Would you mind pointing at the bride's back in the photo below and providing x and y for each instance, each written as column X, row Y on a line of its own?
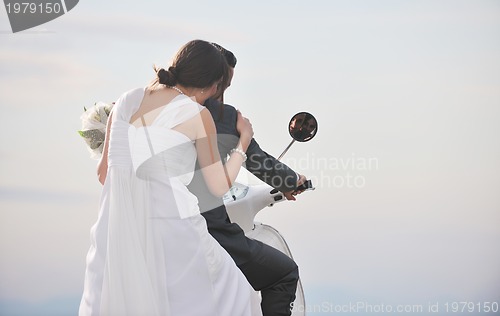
column 154, row 143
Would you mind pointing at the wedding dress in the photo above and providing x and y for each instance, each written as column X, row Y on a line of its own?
column 151, row 253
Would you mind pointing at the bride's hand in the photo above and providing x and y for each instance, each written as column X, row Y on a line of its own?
column 244, row 127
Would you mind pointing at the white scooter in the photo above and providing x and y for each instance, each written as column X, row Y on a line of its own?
column 244, row 202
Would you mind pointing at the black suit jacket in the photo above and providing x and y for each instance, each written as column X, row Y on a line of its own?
column 259, row 163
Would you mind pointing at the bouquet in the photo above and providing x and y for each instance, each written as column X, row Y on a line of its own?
column 94, row 127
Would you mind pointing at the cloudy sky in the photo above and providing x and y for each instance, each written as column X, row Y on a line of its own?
column 406, row 161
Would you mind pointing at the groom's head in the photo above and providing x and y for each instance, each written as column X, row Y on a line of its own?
column 228, row 77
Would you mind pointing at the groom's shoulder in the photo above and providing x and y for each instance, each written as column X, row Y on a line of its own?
column 221, row 112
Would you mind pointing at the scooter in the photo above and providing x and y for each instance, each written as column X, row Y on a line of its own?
column 243, row 202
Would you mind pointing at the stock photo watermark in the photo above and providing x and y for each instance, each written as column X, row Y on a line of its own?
column 462, row 307
column 26, row 14
column 349, row 172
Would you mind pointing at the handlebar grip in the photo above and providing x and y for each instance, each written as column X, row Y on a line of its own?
column 305, row 186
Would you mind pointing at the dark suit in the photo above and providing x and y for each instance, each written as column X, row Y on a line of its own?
column 268, row 270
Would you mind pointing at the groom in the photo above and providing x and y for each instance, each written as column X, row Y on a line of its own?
column 267, row 269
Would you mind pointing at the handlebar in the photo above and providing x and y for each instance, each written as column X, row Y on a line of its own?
column 305, row 186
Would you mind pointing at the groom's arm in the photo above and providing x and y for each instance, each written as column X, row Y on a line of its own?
column 269, row 169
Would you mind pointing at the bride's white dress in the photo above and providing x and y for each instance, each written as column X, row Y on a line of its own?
column 151, row 253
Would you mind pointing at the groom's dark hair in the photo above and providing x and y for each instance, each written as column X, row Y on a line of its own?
column 230, row 58
column 231, row 62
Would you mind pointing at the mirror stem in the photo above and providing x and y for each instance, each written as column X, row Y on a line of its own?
column 286, row 149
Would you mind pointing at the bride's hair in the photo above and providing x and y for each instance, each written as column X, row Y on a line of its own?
column 198, row 64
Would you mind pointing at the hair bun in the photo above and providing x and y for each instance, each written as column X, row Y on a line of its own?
column 173, row 71
column 167, row 78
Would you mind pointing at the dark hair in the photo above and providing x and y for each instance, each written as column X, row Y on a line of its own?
column 198, row 64
column 230, row 58
column 231, row 61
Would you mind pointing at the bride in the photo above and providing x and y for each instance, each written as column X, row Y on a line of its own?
column 151, row 253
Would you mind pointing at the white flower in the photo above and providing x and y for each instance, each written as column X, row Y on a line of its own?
column 93, row 129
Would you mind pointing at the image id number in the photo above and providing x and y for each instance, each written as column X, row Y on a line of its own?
column 471, row 307
column 33, row 8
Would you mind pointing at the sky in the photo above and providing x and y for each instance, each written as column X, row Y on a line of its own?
column 406, row 161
